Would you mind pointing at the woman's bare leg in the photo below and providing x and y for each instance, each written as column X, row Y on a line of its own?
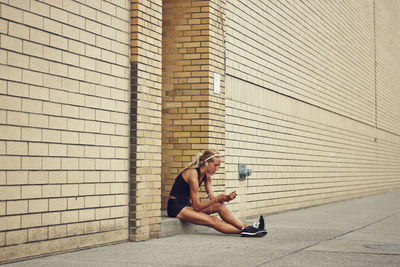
column 225, row 214
column 190, row 215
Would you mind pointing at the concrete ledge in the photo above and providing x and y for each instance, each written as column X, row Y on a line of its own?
column 174, row 226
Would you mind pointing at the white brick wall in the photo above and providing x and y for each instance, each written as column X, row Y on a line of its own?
column 301, row 96
column 64, row 92
column 320, row 53
column 388, row 65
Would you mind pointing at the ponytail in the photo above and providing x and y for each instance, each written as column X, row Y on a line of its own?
column 196, row 162
column 202, row 158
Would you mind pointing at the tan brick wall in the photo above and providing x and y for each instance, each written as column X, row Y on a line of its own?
column 388, row 66
column 302, row 155
column 64, row 133
column 193, row 115
column 145, row 168
column 319, row 53
column 303, row 101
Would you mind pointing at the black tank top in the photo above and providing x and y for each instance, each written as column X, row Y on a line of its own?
column 181, row 189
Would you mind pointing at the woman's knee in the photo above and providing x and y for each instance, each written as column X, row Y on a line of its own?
column 216, row 206
column 213, row 221
column 220, row 207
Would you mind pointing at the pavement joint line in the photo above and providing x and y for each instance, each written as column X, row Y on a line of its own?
column 365, row 226
column 291, row 253
column 332, row 238
column 356, row 252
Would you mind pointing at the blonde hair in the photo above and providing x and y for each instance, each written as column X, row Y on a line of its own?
column 202, row 157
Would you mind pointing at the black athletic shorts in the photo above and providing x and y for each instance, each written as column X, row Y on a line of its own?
column 175, row 206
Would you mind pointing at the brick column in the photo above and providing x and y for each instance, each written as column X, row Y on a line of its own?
column 193, row 115
column 145, row 146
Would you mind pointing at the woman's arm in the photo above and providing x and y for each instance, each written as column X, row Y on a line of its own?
column 194, row 194
column 210, row 190
column 209, row 187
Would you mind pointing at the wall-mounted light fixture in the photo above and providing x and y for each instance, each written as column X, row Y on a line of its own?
column 243, row 171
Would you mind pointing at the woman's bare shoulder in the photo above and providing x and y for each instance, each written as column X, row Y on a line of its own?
column 189, row 171
column 189, row 174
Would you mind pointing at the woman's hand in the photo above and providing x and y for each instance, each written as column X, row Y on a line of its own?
column 222, row 198
column 232, row 195
column 226, row 197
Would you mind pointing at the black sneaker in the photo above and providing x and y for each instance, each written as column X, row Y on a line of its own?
column 255, row 230
column 261, row 226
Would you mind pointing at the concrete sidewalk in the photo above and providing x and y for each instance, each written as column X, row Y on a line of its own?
column 357, row 232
